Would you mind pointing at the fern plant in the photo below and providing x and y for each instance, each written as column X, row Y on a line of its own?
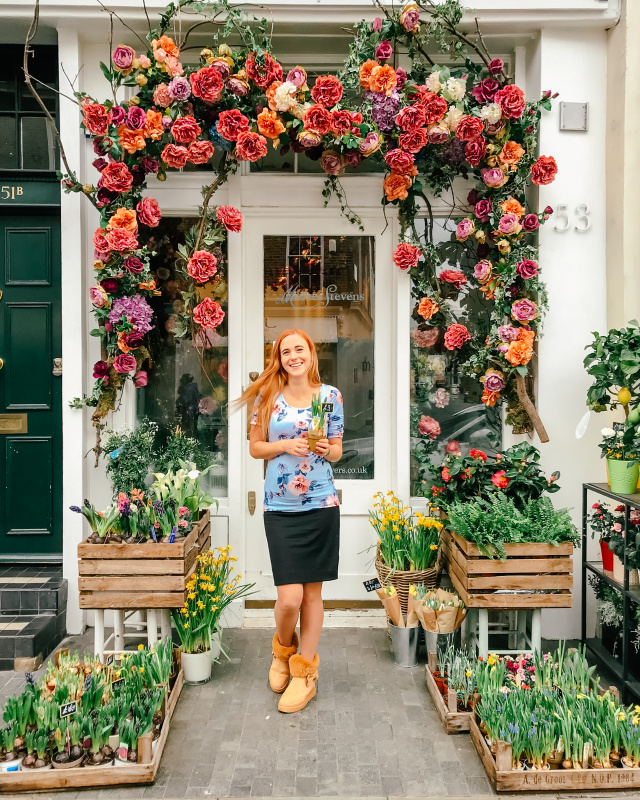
column 496, row 520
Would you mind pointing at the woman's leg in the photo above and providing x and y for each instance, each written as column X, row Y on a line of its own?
column 287, row 610
column 311, row 619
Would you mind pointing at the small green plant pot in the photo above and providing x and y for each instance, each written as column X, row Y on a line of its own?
column 623, row 475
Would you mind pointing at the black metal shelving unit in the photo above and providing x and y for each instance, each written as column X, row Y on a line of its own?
column 628, row 684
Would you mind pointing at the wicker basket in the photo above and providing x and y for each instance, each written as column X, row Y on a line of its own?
column 618, row 572
column 401, row 579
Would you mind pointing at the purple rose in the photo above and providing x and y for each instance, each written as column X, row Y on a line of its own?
column 493, row 380
column 98, row 148
column 377, row 25
column 483, row 209
column 100, row 369
column 104, row 197
column 507, row 333
column 354, row 158
column 527, row 269
column 134, row 339
column 136, row 118
column 530, row 222
column 496, row 65
column 179, row 89
column 133, row 265
column 237, row 86
column 401, row 78
column 297, row 76
column 124, row 363
column 118, row 114
column 453, row 152
column 100, row 163
column 150, row 164
column 223, row 68
column 384, row 51
column 524, row 310
column 486, row 90
column 110, row 285
column 410, row 19
column 138, row 174
column 482, row 271
column 464, row 229
column 123, row 56
column 438, row 134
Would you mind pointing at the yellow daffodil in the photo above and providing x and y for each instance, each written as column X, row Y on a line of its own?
column 140, row 647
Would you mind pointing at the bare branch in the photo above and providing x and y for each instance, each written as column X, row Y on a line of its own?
column 113, row 14
column 146, row 13
column 71, row 82
column 531, row 410
column 57, row 91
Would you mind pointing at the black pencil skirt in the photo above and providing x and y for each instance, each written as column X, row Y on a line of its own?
column 304, row 546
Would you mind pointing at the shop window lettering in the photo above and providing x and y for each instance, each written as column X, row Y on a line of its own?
column 581, row 221
column 302, row 298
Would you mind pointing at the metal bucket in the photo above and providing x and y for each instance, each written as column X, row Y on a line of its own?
column 405, row 645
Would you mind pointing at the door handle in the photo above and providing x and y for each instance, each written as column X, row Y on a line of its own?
column 57, row 367
column 251, row 502
column 1, row 363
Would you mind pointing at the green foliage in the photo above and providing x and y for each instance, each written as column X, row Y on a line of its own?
column 129, row 456
column 181, row 448
column 495, row 521
column 613, row 361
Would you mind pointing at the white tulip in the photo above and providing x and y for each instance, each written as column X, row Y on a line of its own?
column 194, row 474
column 607, row 432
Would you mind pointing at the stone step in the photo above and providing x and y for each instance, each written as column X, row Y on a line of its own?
column 27, row 640
column 29, row 590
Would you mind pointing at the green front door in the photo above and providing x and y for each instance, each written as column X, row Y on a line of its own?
column 30, row 391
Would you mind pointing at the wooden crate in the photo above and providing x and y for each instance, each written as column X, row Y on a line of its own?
column 454, row 721
column 505, row 779
column 476, row 577
column 125, row 576
column 56, row 779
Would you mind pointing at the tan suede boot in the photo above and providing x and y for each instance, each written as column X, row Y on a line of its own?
column 302, row 687
column 279, row 672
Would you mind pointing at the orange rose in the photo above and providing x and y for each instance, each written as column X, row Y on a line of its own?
column 519, row 352
column 511, row 205
column 270, row 124
column 122, row 342
column 131, row 141
column 123, row 218
column 365, row 73
column 511, row 153
column 383, row 79
column 527, row 336
column 148, row 285
column 270, row 92
column 427, row 307
column 153, row 128
column 395, row 186
column 168, row 45
column 490, row 398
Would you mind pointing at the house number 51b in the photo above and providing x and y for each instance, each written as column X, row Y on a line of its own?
column 581, row 218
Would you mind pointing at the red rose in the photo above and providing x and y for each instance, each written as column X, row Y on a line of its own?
column 202, row 266
column 455, row 336
column 469, row 128
column 121, row 240
column 263, row 74
column 500, row 480
column 231, row 124
column 185, row 130
column 133, row 265
column 327, row 91
column 200, row 152
column 116, row 177
column 175, row 155
column 406, row 256
column 207, row 84
column 399, row 161
column 251, row 146
column 477, row 455
column 543, row 171
column 124, row 363
column 100, row 369
column 230, row 218
column 446, row 477
column 511, row 101
column 96, row 118
column 149, row 212
column 208, row 313
column 317, row 120
column 435, row 107
column 411, row 118
column 474, row 150
column 414, row 141
column 454, row 277
column 340, row 121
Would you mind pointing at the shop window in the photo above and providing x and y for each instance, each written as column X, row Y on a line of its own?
column 187, row 383
column 325, row 286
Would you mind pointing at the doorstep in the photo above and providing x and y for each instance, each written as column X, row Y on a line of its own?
column 333, row 618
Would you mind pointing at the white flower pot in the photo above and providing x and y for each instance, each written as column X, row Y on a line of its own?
column 197, row 667
column 10, row 766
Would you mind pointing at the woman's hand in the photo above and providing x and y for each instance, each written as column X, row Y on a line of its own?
column 322, row 447
column 296, row 447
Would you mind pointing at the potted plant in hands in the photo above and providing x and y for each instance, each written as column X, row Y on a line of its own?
column 620, row 445
column 317, row 428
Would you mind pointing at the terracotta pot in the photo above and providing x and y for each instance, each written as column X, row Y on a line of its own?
column 441, row 682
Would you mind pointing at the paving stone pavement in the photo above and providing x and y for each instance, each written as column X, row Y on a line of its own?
column 371, row 732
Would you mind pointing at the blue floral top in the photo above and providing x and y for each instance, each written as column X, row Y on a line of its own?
column 293, row 483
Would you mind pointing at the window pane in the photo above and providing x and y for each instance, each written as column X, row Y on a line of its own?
column 43, row 66
column 325, row 286
column 187, row 383
column 7, row 94
column 38, row 144
column 8, row 144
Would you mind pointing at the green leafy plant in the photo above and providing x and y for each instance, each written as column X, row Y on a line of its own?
column 613, row 361
column 129, row 456
column 180, row 448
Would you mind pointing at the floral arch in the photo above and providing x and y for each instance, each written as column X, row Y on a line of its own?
column 424, row 126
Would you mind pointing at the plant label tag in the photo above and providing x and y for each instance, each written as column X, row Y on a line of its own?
column 117, row 684
column 123, row 751
column 618, row 426
column 67, row 709
column 110, row 660
column 372, row 585
column 328, row 408
column 87, row 683
column 114, row 454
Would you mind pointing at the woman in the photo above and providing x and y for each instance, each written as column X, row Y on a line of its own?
column 302, row 514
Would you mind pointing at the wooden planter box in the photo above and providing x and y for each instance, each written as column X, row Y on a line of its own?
column 454, row 721
column 505, row 779
column 528, row 567
column 125, row 576
column 56, row 779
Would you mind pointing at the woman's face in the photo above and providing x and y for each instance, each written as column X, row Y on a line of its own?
column 295, row 355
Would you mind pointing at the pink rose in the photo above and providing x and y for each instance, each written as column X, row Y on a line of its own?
column 453, row 446
column 208, row 313
column 474, row 150
column 377, row 26
column 410, row 17
column 486, row 90
column 617, row 527
column 370, row 144
column 124, row 363
column 530, row 222
column 122, row 57
column 527, row 269
column 149, row 212
column 140, row 379
column 425, row 338
column 428, row 426
column 496, row 65
column 507, row 333
column 511, row 100
column 482, row 210
column 482, row 271
column 299, row 485
column 437, row 134
column 98, row 297
column 509, row 224
column 455, row 336
column 441, row 398
column 384, row 51
column 297, row 76
column 332, row 162
column 493, row 380
column 524, row 310
column 464, row 229
column 494, row 177
column 118, row 114
column 136, row 118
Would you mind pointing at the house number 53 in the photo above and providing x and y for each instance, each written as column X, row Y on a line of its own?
column 581, row 218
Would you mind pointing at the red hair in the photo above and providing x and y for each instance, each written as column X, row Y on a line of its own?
column 269, row 386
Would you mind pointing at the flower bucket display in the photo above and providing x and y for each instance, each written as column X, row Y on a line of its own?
column 623, row 475
column 405, row 645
